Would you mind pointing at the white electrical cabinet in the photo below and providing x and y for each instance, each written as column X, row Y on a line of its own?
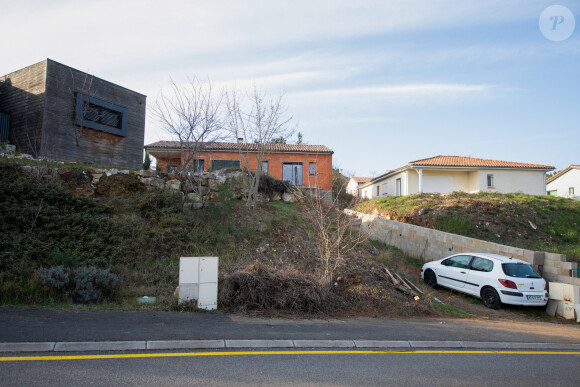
column 198, row 280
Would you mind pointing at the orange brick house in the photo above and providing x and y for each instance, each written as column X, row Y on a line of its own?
column 308, row 166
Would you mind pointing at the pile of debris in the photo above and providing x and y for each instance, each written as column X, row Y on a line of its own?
column 260, row 287
column 402, row 284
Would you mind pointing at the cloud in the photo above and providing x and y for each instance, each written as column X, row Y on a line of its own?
column 113, row 33
column 442, row 91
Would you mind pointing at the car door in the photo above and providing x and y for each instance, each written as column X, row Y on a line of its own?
column 453, row 271
column 478, row 275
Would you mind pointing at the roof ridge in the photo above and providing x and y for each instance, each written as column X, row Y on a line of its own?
column 468, row 161
column 220, row 145
column 563, row 171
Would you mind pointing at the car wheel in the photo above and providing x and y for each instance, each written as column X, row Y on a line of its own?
column 490, row 298
column 430, row 278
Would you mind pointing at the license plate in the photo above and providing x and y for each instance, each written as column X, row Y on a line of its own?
column 534, row 298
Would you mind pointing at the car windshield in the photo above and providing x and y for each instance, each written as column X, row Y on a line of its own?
column 519, row 270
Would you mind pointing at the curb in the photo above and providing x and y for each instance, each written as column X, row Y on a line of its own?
column 239, row 344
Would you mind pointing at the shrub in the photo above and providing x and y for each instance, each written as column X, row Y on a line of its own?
column 270, row 186
column 58, row 277
column 147, row 162
column 86, row 284
column 92, row 284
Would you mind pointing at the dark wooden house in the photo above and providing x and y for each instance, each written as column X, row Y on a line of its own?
column 65, row 114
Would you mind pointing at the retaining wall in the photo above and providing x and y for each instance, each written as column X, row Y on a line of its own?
column 429, row 245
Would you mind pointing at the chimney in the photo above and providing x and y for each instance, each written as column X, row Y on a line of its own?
column 240, row 140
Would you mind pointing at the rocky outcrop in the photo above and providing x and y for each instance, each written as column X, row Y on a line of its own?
column 226, row 183
column 118, row 184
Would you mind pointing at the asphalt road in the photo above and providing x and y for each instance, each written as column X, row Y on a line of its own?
column 403, row 369
column 39, row 325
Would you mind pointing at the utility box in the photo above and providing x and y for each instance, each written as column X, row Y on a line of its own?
column 198, row 280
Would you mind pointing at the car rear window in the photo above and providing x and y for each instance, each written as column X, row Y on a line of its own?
column 519, row 270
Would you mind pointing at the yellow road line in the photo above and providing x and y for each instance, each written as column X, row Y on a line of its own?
column 246, row 353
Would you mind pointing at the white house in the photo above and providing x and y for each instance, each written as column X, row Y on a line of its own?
column 444, row 174
column 353, row 185
column 565, row 183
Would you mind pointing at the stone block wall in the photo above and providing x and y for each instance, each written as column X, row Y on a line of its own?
column 429, row 245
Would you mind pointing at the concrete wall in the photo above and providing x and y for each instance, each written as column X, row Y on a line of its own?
column 429, row 245
column 563, row 183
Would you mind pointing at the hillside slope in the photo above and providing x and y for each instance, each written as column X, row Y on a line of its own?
column 269, row 257
column 526, row 221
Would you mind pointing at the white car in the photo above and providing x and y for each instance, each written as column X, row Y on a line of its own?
column 493, row 278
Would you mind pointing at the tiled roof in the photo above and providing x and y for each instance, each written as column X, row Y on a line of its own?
column 234, row 146
column 362, row 180
column 563, row 171
column 462, row 161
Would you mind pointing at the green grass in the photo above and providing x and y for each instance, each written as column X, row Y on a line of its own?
column 455, row 224
column 451, row 310
column 139, row 237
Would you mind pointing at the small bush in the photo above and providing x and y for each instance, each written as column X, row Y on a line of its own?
column 58, row 277
column 92, row 284
column 85, row 284
column 270, row 186
column 147, row 161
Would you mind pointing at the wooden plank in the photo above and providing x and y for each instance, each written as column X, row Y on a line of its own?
column 413, row 286
column 393, row 279
column 403, row 282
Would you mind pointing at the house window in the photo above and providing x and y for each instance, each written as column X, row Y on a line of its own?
column 219, row 164
column 384, row 189
column 171, row 168
column 265, row 167
column 378, row 192
column 571, row 191
column 490, row 182
column 94, row 113
column 292, row 173
column 312, row 169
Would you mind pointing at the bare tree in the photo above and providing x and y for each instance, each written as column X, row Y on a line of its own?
column 260, row 121
column 337, row 233
column 191, row 115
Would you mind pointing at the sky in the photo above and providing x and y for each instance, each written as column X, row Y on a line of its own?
column 381, row 83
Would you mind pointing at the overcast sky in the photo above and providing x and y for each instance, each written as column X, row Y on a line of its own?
column 381, row 83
